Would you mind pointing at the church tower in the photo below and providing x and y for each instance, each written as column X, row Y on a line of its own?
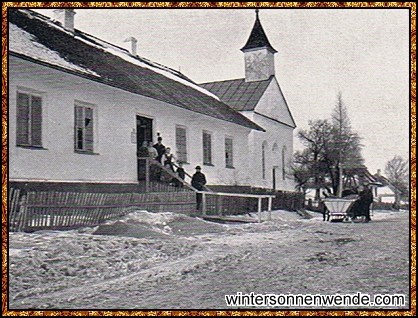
column 258, row 54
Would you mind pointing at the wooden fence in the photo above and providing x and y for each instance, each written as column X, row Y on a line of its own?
column 38, row 210
column 32, row 211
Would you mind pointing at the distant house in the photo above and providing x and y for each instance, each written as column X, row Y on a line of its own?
column 259, row 97
column 387, row 193
column 80, row 109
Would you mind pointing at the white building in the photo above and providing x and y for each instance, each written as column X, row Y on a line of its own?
column 258, row 97
column 387, row 192
column 80, row 108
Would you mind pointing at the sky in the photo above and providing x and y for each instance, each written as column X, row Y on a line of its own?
column 362, row 53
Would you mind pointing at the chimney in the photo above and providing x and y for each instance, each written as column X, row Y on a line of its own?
column 378, row 172
column 133, row 44
column 66, row 18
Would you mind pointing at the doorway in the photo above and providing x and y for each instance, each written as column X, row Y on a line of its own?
column 143, row 133
column 274, row 177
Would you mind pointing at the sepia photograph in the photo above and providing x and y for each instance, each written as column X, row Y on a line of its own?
column 203, row 158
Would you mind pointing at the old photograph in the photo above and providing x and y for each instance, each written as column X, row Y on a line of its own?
column 253, row 158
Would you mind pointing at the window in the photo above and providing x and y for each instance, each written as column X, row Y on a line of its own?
column 229, row 154
column 29, row 120
column 263, row 159
column 83, row 135
column 275, row 149
column 284, row 150
column 181, row 144
column 207, row 148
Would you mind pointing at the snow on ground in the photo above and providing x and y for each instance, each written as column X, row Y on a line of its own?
column 158, row 260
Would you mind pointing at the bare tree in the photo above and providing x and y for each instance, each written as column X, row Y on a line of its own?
column 331, row 147
column 397, row 172
column 316, row 140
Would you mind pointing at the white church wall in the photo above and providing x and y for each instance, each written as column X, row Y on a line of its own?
column 281, row 137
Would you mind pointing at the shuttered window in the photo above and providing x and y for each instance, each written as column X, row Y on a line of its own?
column 181, row 144
column 229, row 155
column 83, row 128
column 29, row 120
column 207, row 148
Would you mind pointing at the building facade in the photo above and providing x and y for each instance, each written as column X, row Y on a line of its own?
column 81, row 108
column 259, row 97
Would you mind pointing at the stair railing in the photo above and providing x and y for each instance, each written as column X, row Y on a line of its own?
column 206, row 188
column 150, row 161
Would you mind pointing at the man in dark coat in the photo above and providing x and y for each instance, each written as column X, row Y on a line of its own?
column 198, row 182
column 366, row 198
column 160, row 149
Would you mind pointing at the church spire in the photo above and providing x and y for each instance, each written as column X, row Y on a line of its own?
column 258, row 38
column 258, row 54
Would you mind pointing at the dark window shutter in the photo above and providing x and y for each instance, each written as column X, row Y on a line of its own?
column 181, row 144
column 36, row 121
column 78, row 128
column 88, row 128
column 207, row 148
column 229, row 157
column 22, row 125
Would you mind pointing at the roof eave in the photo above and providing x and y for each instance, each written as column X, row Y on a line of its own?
column 250, row 125
column 249, row 49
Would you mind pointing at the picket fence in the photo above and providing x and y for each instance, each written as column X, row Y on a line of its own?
column 32, row 211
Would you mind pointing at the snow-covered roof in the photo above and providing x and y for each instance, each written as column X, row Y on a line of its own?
column 38, row 38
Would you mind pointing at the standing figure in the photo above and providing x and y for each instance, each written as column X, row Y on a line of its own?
column 142, row 154
column 152, row 152
column 366, row 199
column 154, row 169
column 168, row 159
column 198, row 182
column 160, row 148
column 160, row 152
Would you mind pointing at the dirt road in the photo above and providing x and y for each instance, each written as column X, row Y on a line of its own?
column 196, row 271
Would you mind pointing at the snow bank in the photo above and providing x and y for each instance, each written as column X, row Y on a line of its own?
column 143, row 224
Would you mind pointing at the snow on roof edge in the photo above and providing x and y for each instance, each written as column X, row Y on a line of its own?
column 122, row 53
column 22, row 42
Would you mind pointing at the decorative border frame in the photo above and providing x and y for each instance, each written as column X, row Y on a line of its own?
column 4, row 160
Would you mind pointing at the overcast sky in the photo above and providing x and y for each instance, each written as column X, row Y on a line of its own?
column 364, row 53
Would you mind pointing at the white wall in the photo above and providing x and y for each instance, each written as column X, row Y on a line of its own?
column 278, row 124
column 278, row 134
column 115, row 110
column 384, row 194
column 273, row 104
